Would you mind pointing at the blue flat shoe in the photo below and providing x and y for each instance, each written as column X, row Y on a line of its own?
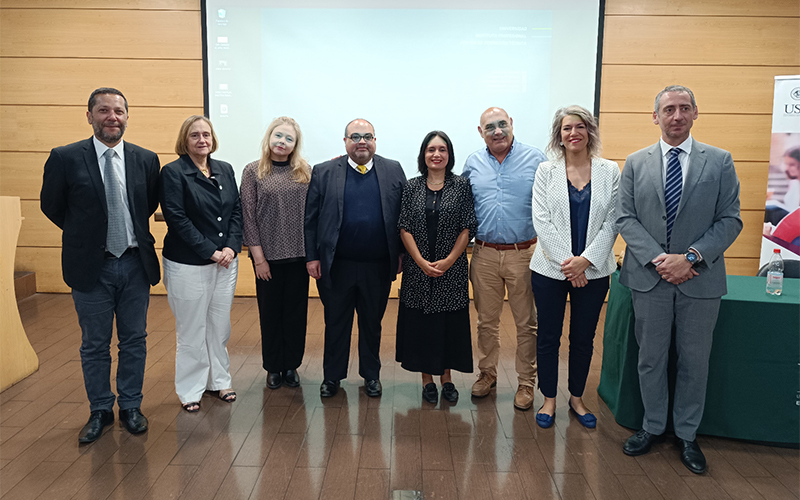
column 588, row 420
column 544, row 420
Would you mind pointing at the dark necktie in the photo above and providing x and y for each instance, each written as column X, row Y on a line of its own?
column 117, row 235
column 672, row 189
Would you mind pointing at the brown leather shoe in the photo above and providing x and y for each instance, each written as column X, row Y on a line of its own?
column 483, row 385
column 523, row 400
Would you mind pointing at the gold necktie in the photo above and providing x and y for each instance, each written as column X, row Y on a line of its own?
column 362, row 169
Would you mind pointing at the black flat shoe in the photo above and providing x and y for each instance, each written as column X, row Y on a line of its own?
column 373, row 388
column 430, row 393
column 329, row 388
column 291, row 379
column 640, row 443
column 133, row 420
column 274, row 380
column 93, row 429
column 691, row 456
column 449, row 392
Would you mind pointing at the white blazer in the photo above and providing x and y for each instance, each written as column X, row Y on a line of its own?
column 551, row 219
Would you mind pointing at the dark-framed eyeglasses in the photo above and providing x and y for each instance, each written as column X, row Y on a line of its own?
column 358, row 137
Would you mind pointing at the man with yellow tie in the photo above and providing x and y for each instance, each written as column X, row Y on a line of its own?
column 353, row 250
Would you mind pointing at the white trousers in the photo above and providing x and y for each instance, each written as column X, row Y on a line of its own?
column 201, row 298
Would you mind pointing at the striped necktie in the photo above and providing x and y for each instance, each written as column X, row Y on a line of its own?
column 117, row 235
column 672, row 189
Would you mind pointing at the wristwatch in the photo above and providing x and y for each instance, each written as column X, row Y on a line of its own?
column 691, row 257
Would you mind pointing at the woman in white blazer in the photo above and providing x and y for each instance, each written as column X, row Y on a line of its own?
column 574, row 200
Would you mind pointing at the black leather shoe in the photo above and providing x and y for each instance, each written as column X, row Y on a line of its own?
column 430, row 393
column 449, row 392
column 274, row 380
column 691, row 456
column 640, row 443
column 329, row 388
column 291, row 379
column 133, row 420
column 94, row 427
column 373, row 388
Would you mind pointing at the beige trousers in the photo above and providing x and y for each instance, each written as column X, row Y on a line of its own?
column 492, row 272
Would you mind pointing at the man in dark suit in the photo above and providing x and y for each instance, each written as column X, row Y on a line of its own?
column 101, row 192
column 678, row 211
column 353, row 250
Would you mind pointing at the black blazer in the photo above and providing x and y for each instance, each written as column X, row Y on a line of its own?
column 203, row 215
column 324, row 205
column 74, row 198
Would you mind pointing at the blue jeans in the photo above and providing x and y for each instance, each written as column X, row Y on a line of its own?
column 122, row 290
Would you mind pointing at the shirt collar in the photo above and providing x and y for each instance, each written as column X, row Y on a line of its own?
column 510, row 151
column 101, row 148
column 685, row 146
column 355, row 165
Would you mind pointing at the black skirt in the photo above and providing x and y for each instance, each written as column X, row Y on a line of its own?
column 433, row 343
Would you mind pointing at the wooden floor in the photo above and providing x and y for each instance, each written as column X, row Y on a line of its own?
column 288, row 443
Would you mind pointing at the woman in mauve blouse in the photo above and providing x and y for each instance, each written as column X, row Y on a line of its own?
column 273, row 196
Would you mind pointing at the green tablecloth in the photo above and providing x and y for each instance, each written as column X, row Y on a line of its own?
column 754, row 370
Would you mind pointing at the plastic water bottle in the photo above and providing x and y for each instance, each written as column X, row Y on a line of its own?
column 775, row 273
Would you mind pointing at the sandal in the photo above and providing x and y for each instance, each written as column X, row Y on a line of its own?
column 192, row 407
column 228, row 397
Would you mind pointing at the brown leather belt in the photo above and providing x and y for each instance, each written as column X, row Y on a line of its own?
column 504, row 246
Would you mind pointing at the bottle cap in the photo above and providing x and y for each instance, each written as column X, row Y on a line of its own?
column 777, row 250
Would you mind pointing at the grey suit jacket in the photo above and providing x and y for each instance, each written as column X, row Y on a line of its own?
column 325, row 203
column 74, row 198
column 707, row 219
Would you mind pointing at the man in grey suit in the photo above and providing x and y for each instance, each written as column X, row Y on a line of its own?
column 678, row 211
column 353, row 250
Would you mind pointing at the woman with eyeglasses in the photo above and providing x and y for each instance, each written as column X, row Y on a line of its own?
column 273, row 194
column 437, row 221
column 200, row 202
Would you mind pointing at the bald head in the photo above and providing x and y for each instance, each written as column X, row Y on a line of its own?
column 497, row 130
column 362, row 150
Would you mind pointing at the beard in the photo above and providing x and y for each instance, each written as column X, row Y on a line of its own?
column 106, row 135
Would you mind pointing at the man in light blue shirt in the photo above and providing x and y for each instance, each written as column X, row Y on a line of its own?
column 502, row 182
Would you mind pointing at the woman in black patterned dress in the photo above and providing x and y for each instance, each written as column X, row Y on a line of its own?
column 437, row 221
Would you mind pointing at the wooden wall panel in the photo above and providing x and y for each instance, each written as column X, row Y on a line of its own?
column 746, row 89
column 748, row 244
column 771, row 8
column 37, row 230
column 21, row 173
column 153, row 128
column 745, row 136
column 100, row 34
column 701, row 40
column 71, row 81
column 752, row 184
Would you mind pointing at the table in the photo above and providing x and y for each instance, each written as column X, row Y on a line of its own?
column 754, row 370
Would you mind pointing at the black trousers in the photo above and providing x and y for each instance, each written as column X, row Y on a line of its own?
column 585, row 306
column 362, row 287
column 283, row 310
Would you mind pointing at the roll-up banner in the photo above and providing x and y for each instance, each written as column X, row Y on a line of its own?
column 782, row 214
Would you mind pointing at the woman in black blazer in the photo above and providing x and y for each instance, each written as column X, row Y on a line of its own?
column 200, row 202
